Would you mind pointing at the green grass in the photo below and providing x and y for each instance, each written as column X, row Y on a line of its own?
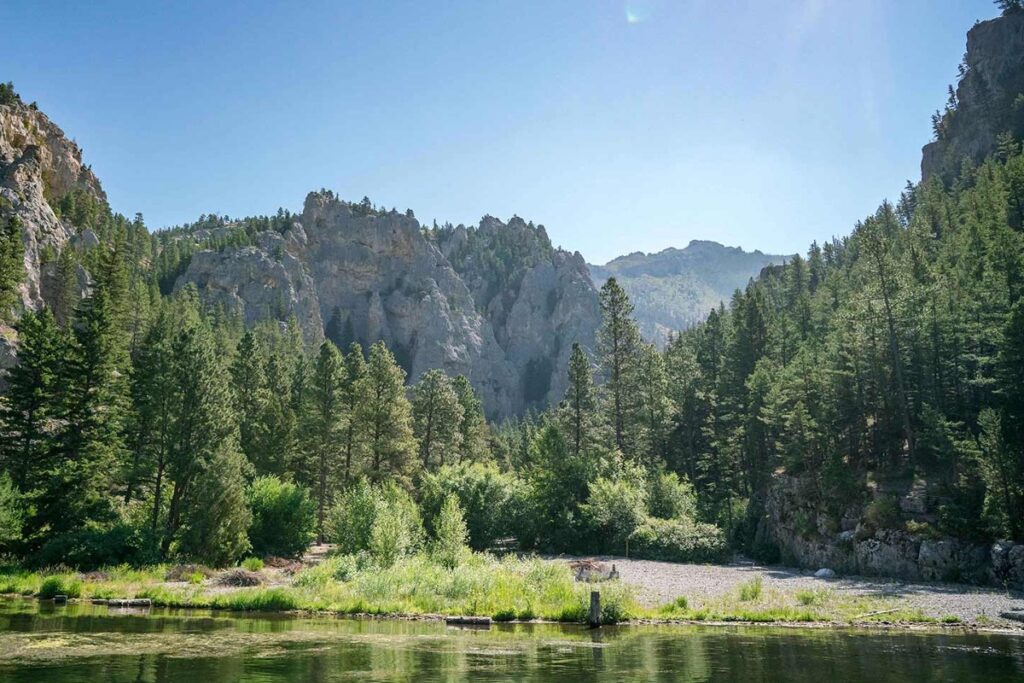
column 813, row 596
column 253, row 564
column 751, row 590
column 60, row 585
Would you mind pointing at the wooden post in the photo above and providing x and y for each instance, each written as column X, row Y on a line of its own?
column 594, row 618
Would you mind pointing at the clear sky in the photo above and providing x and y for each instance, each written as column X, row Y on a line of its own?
column 621, row 126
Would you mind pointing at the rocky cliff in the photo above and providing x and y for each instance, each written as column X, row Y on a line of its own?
column 39, row 169
column 458, row 299
column 676, row 288
column 988, row 100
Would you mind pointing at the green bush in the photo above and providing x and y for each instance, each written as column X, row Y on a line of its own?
column 751, row 590
column 12, row 513
column 93, row 548
column 882, row 513
column 670, row 497
column 283, row 517
column 616, row 507
column 252, row 564
column 397, row 528
column 60, row 585
column 492, row 501
column 450, row 541
column 678, row 540
column 350, row 521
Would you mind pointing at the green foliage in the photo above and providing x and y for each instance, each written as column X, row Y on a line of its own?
column 8, row 95
column 283, row 517
column 397, row 528
column 670, row 497
column 252, row 564
column 678, row 541
column 883, row 513
column 12, row 513
column 92, row 548
column 437, row 416
column 59, row 585
column 616, row 507
column 12, row 264
column 383, row 415
column 491, row 500
column 751, row 590
column 350, row 522
column 450, row 534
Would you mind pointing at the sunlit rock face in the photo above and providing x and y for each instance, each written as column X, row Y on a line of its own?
column 437, row 298
column 988, row 98
column 39, row 166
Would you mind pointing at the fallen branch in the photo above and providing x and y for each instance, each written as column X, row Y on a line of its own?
column 875, row 614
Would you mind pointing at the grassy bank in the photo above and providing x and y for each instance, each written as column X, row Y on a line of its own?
column 504, row 589
column 482, row 585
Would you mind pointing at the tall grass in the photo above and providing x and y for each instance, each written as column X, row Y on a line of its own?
column 751, row 590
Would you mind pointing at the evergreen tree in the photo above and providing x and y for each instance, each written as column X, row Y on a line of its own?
column 384, row 416
column 326, row 419
column 619, row 345
column 437, row 417
column 353, row 393
column 578, row 412
column 12, row 264
column 252, row 400
column 473, row 430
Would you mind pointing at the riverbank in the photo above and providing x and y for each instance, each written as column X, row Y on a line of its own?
column 540, row 590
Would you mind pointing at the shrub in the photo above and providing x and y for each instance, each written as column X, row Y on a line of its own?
column 882, row 513
column 751, row 590
column 811, row 596
column 350, row 522
column 616, row 507
column 451, row 534
column 395, row 534
column 670, row 497
column 678, row 541
column 492, row 501
column 283, row 517
column 60, row 585
column 12, row 513
column 92, row 548
column 252, row 564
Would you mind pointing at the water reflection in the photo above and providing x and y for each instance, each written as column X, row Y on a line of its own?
column 39, row 642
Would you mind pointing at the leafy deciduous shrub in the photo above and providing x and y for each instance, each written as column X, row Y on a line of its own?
column 616, row 507
column 678, row 540
column 350, row 521
column 92, row 548
column 492, row 501
column 283, row 517
column 451, row 534
column 670, row 497
column 60, row 585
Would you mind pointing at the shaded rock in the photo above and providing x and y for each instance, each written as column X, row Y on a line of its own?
column 824, row 573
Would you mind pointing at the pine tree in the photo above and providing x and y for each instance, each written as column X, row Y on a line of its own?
column 12, row 264
column 353, row 395
column 202, row 448
column 30, row 408
column 326, row 419
column 384, row 416
column 619, row 345
column 473, row 429
column 578, row 412
column 437, row 416
column 252, row 400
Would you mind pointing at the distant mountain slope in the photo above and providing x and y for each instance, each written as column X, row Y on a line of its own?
column 675, row 288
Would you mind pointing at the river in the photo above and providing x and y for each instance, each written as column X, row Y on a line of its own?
column 81, row 642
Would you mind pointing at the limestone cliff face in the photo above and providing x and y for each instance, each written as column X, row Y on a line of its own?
column 435, row 298
column 38, row 167
column 538, row 299
column 989, row 97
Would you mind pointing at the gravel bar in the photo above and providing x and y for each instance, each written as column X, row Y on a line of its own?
column 660, row 582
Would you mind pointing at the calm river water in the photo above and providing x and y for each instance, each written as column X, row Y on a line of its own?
column 41, row 642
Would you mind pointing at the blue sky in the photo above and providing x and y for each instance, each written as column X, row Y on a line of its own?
column 621, row 126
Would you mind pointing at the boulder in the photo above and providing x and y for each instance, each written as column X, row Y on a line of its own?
column 824, row 573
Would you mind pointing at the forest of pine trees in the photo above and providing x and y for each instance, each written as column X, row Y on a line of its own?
column 140, row 425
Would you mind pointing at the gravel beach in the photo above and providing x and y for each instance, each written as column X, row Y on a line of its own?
column 659, row 582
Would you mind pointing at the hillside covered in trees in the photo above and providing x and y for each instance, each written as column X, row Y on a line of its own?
column 859, row 407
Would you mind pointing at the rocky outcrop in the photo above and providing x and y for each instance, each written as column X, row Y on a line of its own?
column 38, row 167
column 806, row 534
column 353, row 274
column 988, row 100
column 676, row 288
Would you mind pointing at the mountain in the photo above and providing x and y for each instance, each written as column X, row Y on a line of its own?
column 674, row 289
